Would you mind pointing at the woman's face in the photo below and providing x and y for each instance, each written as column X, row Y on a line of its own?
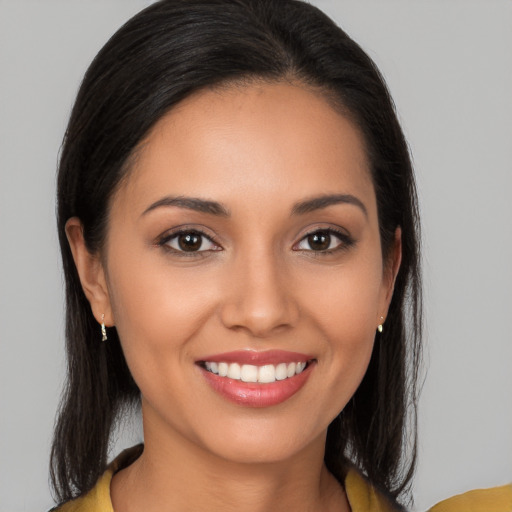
column 245, row 241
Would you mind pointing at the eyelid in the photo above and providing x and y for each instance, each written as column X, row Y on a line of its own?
column 163, row 240
column 345, row 239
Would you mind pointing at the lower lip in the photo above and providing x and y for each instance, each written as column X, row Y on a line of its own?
column 252, row 394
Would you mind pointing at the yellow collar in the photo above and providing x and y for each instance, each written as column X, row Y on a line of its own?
column 360, row 493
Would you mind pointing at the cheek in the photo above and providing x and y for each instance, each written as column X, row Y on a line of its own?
column 346, row 302
column 344, row 308
column 349, row 352
column 156, row 312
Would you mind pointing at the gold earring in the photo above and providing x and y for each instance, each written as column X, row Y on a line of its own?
column 379, row 327
column 103, row 329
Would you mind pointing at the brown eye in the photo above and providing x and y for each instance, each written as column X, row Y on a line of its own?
column 189, row 241
column 319, row 241
column 324, row 241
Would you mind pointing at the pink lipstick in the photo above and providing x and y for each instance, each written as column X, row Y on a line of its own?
column 257, row 379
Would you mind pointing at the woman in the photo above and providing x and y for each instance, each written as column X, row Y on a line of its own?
column 239, row 230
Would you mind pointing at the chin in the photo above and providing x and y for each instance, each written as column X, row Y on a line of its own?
column 263, row 442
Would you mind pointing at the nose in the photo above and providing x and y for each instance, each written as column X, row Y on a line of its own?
column 259, row 298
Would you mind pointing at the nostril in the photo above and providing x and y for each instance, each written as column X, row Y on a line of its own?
column 260, row 320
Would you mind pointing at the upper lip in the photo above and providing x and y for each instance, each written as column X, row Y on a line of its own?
column 257, row 358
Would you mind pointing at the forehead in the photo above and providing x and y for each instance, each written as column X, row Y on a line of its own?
column 259, row 141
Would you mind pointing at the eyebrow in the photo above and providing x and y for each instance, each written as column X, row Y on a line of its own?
column 190, row 203
column 317, row 203
column 215, row 208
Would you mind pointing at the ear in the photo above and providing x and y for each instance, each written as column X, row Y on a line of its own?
column 91, row 272
column 390, row 272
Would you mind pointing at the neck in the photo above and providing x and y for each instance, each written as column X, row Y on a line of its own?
column 175, row 474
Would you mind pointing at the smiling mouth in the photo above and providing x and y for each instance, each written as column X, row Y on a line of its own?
column 257, row 379
column 264, row 374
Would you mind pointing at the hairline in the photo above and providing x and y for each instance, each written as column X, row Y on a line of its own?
column 240, row 83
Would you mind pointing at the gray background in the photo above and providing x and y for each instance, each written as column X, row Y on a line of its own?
column 449, row 67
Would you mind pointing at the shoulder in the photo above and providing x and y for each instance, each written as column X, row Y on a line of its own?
column 364, row 497
column 98, row 498
column 497, row 499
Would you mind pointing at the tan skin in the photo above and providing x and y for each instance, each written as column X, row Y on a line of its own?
column 254, row 282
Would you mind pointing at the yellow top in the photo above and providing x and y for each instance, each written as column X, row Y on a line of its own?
column 361, row 495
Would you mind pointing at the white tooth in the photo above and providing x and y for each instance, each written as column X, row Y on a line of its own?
column 267, row 373
column 291, row 370
column 249, row 373
column 234, row 371
column 208, row 366
column 281, row 371
column 223, row 369
column 214, row 367
column 300, row 367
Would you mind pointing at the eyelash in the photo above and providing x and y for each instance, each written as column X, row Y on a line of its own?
column 346, row 241
column 165, row 239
